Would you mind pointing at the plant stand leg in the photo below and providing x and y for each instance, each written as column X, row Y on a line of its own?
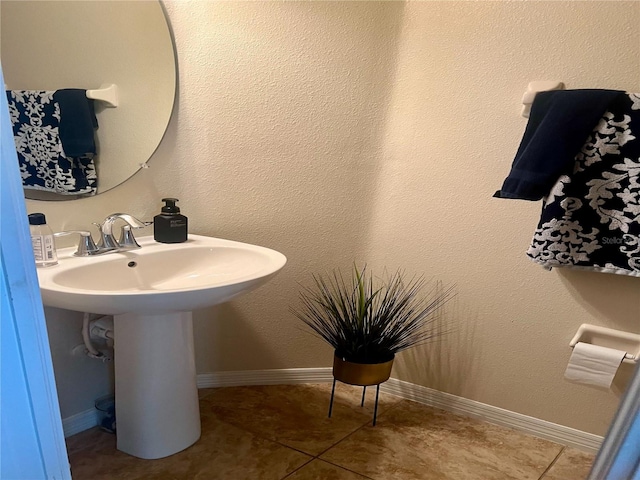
column 375, row 408
column 333, row 391
column 364, row 391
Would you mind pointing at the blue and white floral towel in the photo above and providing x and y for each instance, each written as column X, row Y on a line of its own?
column 35, row 116
column 591, row 218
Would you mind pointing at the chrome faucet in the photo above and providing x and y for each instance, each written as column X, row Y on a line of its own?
column 107, row 243
column 127, row 240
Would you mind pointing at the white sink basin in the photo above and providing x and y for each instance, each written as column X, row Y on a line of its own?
column 159, row 277
column 151, row 292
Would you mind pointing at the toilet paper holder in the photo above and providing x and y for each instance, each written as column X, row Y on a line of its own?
column 610, row 338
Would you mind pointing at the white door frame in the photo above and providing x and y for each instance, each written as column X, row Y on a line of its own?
column 32, row 439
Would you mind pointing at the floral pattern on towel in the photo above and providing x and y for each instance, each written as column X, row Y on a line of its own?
column 35, row 117
column 591, row 218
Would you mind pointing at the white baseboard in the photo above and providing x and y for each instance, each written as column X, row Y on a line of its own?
column 90, row 418
column 80, row 422
column 287, row 376
column 427, row 396
column 498, row 416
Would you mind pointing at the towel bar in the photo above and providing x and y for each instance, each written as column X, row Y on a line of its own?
column 608, row 337
column 535, row 87
column 108, row 94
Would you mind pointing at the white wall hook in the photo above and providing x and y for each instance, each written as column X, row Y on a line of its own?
column 535, row 87
column 108, row 94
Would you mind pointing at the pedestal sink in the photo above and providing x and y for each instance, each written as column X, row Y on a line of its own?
column 151, row 293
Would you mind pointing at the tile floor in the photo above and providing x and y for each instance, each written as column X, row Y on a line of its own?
column 282, row 432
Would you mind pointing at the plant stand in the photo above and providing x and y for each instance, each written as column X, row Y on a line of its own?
column 361, row 374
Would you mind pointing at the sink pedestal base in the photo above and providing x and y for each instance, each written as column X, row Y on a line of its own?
column 157, row 411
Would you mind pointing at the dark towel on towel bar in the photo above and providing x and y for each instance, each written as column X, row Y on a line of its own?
column 591, row 216
column 77, row 122
column 559, row 123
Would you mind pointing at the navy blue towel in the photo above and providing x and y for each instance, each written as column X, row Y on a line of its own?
column 559, row 124
column 591, row 217
column 77, row 122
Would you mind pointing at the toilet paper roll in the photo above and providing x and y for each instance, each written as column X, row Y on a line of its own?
column 593, row 365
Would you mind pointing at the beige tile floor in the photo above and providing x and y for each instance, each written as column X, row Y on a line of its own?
column 282, row 432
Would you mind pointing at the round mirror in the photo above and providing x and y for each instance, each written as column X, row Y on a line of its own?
column 53, row 45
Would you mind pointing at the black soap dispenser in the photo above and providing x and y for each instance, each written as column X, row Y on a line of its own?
column 169, row 226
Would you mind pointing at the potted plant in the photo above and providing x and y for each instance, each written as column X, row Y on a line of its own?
column 367, row 321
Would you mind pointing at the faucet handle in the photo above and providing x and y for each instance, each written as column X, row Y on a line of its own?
column 86, row 246
column 127, row 240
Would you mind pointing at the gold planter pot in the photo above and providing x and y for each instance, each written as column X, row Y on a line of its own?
column 362, row 374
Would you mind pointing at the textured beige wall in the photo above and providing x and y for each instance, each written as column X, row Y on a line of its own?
column 378, row 132
column 450, row 137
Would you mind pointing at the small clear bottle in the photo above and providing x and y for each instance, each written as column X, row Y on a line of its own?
column 44, row 249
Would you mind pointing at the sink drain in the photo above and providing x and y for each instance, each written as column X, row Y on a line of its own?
column 132, row 264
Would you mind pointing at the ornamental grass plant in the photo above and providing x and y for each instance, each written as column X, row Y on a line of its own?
column 367, row 319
